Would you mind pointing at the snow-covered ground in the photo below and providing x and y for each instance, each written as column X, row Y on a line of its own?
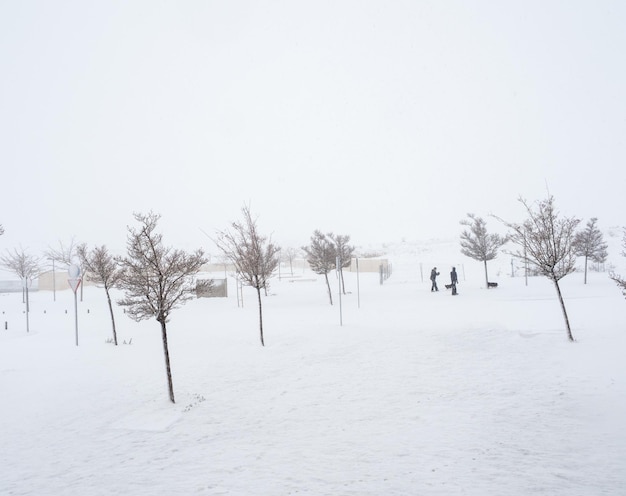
column 417, row 393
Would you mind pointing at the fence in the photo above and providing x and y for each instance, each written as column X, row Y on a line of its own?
column 369, row 265
column 212, row 288
column 385, row 272
column 16, row 286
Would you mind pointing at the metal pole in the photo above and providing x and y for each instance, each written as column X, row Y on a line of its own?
column 27, row 306
column 74, row 281
column 525, row 264
column 54, row 283
column 358, row 286
column 76, row 315
column 339, row 286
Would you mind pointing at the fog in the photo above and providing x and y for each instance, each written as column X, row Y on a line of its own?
column 382, row 121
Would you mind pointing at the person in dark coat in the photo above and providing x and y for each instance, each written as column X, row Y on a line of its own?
column 433, row 278
column 454, row 280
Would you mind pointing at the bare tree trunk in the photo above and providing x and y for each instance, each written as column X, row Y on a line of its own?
column 486, row 276
column 112, row 317
column 168, row 369
column 558, row 291
column 585, row 269
column 258, row 292
column 330, row 293
column 343, row 283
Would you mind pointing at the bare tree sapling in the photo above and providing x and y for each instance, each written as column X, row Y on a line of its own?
column 546, row 240
column 343, row 253
column 254, row 256
column 589, row 243
column 156, row 279
column 26, row 267
column 101, row 269
column 66, row 255
column 290, row 255
column 321, row 256
column 478, row 244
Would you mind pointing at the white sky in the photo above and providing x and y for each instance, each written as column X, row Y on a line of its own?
column 381, row 120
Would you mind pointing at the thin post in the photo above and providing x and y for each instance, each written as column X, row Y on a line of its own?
column 54, row 284
column 339, row 287
column 358, row 286
column 525, row 264
column 27, row 306
column 74, row 281
column 76, row 315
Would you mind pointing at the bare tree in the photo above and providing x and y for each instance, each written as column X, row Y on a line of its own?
column 26, row 267
column 321, row 256
column 546, row 240
column 103, row 270
column 22, row 264
column 1, row 229
column 66, row 255
column 290, row 255
column 343, row 252
column 478, row 244
column 619, row 280
column 254, row 256
column 156, row 279
column 590, row 244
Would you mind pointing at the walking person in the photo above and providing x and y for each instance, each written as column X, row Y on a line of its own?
column 454, row 280
column 433, row 278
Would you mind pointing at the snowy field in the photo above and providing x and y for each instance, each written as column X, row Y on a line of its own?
column 417, row 393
